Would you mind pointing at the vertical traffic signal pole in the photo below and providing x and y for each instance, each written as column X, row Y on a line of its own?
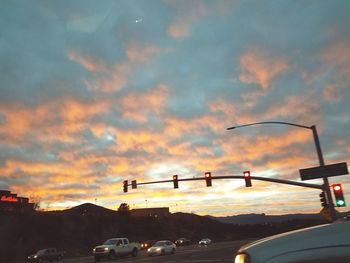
column 325, row 179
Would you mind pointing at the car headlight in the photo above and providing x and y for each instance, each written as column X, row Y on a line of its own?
column 149, row 250
column 242, row 258
column 94, row 250
column 35, row 256
column 106, row 248
column 159, row 249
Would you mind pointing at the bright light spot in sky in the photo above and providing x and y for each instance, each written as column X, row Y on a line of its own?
column 109, row 137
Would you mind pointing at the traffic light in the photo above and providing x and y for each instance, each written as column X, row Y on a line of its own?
column 248, row 180
column 125, row 186
column 323, row 199
column 208, row 178
column 338, row 194
column 133, row 184
column 176, row 182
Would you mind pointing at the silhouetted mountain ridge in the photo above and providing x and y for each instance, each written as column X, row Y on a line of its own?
column 253, row 219
column 89, row 209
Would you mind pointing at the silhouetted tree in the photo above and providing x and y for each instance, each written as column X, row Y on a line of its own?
column 124, row 209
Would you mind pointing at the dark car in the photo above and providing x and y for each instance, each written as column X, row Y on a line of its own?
column 147, row 244
column 182, row 242
column 47, row 254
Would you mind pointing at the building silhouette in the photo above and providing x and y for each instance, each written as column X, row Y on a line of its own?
column 10, row 202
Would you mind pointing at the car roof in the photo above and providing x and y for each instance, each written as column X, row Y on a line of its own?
column 316, row 237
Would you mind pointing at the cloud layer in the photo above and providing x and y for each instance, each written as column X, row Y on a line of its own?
column 92, row 95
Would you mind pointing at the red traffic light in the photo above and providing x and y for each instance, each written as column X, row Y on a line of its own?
column 336, row 187
column 248, row 181
column 125, row 186
column 176, row 182
column 207, row 176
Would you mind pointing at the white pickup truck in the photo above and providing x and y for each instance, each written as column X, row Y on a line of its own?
column 116, row 247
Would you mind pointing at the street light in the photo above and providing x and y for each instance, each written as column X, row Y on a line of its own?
column 318, row 150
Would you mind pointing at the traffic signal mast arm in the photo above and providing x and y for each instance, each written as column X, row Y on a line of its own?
column 274, row 180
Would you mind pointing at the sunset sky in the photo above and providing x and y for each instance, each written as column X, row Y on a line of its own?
column 96, row 92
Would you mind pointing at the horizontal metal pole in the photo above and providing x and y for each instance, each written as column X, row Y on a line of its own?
column 269, row 122
column 280, row 181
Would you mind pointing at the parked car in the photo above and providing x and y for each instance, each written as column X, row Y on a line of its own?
column 161, row 248
column 47, row 254
column 182, row 242
column 204, row 242
column 116, row 247
column 319, row 244
column 147, row 244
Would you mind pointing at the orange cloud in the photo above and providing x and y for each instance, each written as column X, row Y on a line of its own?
column 90, row 63
column 141, row 53
column 114, row 82
column 337, row 58
column 54, row 120
column 338, row 53
column 136, row 106
column 19, row 120
column 332, row 93
column 260, row 68
column 188, row 13
column 233, row 113
column 306, row 109
column 73, row 110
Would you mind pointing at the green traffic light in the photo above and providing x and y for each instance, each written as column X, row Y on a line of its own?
column 340, row 202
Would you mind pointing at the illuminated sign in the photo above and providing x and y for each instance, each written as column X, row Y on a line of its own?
column 8, row 199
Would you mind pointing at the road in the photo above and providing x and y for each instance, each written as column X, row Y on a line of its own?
column 222, row 252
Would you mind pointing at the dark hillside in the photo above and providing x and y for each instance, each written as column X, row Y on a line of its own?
column 87, row 209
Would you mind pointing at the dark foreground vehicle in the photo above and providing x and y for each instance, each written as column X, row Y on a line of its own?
column 328, row 243
column 45, row 255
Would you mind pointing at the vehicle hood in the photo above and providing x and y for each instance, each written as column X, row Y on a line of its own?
column 307, row 239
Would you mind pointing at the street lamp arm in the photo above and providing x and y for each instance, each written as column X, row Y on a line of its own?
column 270, row 122
column 319, row 154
